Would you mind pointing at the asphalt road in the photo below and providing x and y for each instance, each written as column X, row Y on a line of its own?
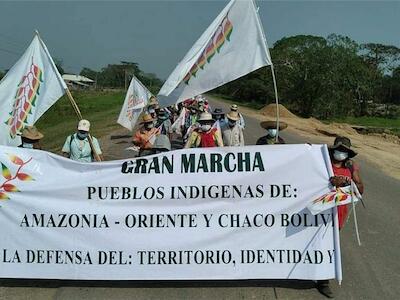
column 371, row 271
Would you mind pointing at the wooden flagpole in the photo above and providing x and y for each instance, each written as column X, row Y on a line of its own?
column 79, row 114
column 71, row 99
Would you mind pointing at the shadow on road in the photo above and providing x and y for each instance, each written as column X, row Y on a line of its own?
column 51, row 283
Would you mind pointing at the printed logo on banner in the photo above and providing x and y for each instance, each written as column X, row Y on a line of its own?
column 9, row 185
column 25, row 98
column 221, row 35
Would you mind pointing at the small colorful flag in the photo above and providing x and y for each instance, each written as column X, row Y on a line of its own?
column 336, row 197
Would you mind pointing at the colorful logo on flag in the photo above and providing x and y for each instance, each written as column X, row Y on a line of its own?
column 25, row 98
column 337, row 196
column 133, row 101
column 219, row 38
column 9, row 185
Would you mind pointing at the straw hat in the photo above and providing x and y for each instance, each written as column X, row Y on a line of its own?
column 152, row 101
column 234, row 107
column 31, row 132
column 147, row 119
column 205, row 117
column 233, row 115
column 344, row 144
column 272, row 125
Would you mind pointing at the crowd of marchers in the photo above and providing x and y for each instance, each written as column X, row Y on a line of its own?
column 194, row 124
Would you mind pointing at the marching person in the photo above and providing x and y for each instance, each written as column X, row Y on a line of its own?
column 152, row 112
column 232, row 133
column 270, row 137
column 235, row 108
column 206, row 135
column 145, row 136
column 77, row 146
column 31, row 138
column 219, row 116
column 345, row 170
column 153, row 103
column 164, row 122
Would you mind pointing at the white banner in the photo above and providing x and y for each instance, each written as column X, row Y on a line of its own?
column 30, row 88
column 232, row 46
column 136, row 99
column 214, row 213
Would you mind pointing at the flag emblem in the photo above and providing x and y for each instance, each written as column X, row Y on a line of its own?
column 221, row 35
column 25, row 98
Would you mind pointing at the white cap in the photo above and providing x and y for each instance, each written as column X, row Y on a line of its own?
column 84, row 125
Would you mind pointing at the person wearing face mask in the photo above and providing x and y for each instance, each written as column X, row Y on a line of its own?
column 345, row 170
column 218, row 115
column 205, row 135
column 270, row 137
column 241, row 122
column 145, row 136
column 31, row 138
column 77, row 146
column 232, row 133
column 164, row 123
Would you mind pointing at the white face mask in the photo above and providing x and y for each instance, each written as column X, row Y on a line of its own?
column 339, row 155
column 272, row 132
column 205, row 127
column 27, row 146
column 149, row 125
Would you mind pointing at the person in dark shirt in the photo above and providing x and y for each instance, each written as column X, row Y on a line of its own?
column 270, row 137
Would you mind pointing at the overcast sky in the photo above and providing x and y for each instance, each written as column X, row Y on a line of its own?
column 157, row 34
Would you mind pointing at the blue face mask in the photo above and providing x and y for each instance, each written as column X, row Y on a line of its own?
column 82, row 135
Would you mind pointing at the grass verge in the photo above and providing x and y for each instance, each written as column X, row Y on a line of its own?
column 100, row 108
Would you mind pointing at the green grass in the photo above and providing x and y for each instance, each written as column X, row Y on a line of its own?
column 100, row 108
column 392, row 124
column 253, row 105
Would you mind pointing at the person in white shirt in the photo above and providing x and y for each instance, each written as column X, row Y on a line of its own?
column 77, row 145
column 232, row 133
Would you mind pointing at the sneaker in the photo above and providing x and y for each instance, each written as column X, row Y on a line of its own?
column 324, row 288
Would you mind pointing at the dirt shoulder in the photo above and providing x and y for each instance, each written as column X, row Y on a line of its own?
column 383, row 150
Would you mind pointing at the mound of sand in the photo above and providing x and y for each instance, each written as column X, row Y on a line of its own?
column 270, row 111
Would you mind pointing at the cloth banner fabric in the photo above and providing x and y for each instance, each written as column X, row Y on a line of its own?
column 231, row 47
column 136, row 99
column 29, row 88
column 214, row 213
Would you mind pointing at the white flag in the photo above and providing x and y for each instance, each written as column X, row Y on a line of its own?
column 136, row 99
column 30, row 88
column 232, row 46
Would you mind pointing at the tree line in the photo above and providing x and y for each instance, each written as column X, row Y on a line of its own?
column 324, row 77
